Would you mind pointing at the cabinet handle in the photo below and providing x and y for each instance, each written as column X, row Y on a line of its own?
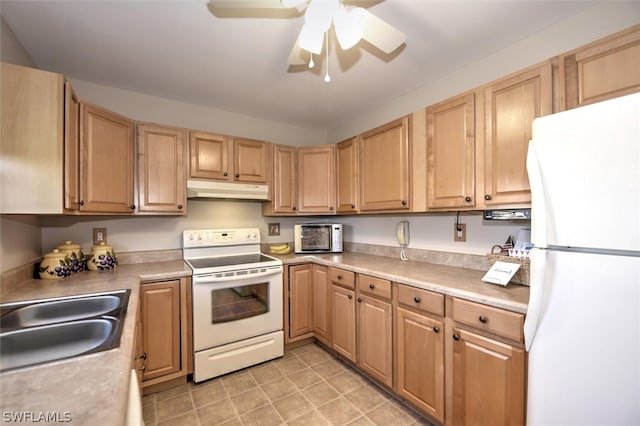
column 132, row 206
column 483, row 319
column 225, row 174
column 339, row 277
column 487, row 197
column 436, row 329
column 179, row 206
column 359, row 300
column 404, row 203
column 294, row 208
column 144, row 367
column 456, row 337
column 143, row 356
column 416, row 299
column 353, row 206
column 372, row 286
column 467, row 199
column 331, row 208
column 237, row 175
column 350, row 296
column 81, row 202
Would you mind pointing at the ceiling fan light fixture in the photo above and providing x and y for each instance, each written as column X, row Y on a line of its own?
column 349, row 24
column 311, row 39
column 320, row 14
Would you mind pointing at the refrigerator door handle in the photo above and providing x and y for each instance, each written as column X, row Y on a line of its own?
column 537, row 292
column 540, row 217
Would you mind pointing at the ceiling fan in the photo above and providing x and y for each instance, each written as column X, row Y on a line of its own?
column 351, row 24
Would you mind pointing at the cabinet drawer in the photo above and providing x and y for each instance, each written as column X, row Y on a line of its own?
column 423, row 300
column 493, row 320
column 373, row 285
column 343, row 278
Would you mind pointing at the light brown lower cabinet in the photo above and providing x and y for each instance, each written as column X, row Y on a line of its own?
column 343, row 319
column 165, row 338
column 374, row 325
column 420, row 361
column 321, row 305
column 488, row 381
column 300, row 305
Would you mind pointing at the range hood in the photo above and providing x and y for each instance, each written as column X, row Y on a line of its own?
column 226, row 190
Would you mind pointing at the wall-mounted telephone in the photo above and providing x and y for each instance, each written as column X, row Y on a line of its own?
column 402, row 234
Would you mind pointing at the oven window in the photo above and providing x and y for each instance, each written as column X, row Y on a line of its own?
column 231, row 304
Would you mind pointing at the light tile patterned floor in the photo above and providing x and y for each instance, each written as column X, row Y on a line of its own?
column 306, row 387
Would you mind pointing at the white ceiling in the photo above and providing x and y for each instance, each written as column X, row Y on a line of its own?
column 181, row 50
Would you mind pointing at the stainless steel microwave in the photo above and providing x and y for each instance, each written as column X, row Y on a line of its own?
column 317, row 238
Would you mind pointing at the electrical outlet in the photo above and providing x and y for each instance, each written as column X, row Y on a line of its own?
column 460, row 232
column 99, row 235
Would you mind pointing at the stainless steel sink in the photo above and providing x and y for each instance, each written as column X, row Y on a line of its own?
column 39, row 331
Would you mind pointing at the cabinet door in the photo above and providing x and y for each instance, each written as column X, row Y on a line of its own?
column 161, row 170
column 488, row 381
column 602, row 70
column 451, row 143
column 321, row 305
column 343, row 322
column 384, row 167
column 250, row 160
column 160, row 310
column 375, row 338
column 284, row 187
column 347, row 175
column 316, row 179
column 209, row 156
column 300, row 300
column 71, row 149
column 420, row 361
column 32, row 136
column 511, row 105
column 106, row 161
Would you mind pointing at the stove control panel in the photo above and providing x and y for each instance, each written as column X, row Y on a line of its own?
column 220, row 237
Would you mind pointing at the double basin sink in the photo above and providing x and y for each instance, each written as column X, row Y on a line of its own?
column 45, row 330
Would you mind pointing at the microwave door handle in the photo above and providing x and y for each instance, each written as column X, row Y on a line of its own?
column 206, row 278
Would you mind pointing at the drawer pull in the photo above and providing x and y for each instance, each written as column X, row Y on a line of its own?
column 483, row 319
column 144, row 367
column 359, row 300
column 371, row 286
column 436, row 329
column 456, row 337
column 339, row 277
column 416, row 299
column 143, row 356
column 350, row 296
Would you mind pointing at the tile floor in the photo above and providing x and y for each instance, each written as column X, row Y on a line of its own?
column 307, row 386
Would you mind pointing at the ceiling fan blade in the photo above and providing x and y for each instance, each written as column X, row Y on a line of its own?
column 248, row 4
column 296, row 56
column 382, row 35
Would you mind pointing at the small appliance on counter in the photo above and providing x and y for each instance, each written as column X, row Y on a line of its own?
column 317, row 238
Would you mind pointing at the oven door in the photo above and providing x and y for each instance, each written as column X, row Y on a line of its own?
column 232, row 308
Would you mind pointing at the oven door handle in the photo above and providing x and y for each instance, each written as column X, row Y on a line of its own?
column 211, row 278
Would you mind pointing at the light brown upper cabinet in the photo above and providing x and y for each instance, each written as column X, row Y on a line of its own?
column 106, row 161
column 316, row 179
column 451, row 142
column 602, row 70
column 477, row 142
column 33, row 137
column 347, row 176
column 284, row 185
column 71, row 149
column 221, row 157
column 161, row 169
column 385, row 167
column 510, row 106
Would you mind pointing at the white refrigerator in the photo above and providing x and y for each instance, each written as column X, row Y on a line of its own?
column 582, row 328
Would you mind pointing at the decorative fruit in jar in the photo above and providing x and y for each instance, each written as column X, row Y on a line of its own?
column 103, row 258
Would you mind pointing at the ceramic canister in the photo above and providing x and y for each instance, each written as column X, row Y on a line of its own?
column 54, row 266
column 102, row 258
column 75, row 258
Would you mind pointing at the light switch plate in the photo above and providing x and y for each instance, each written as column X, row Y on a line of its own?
column 99, row 235
column 459, row 232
